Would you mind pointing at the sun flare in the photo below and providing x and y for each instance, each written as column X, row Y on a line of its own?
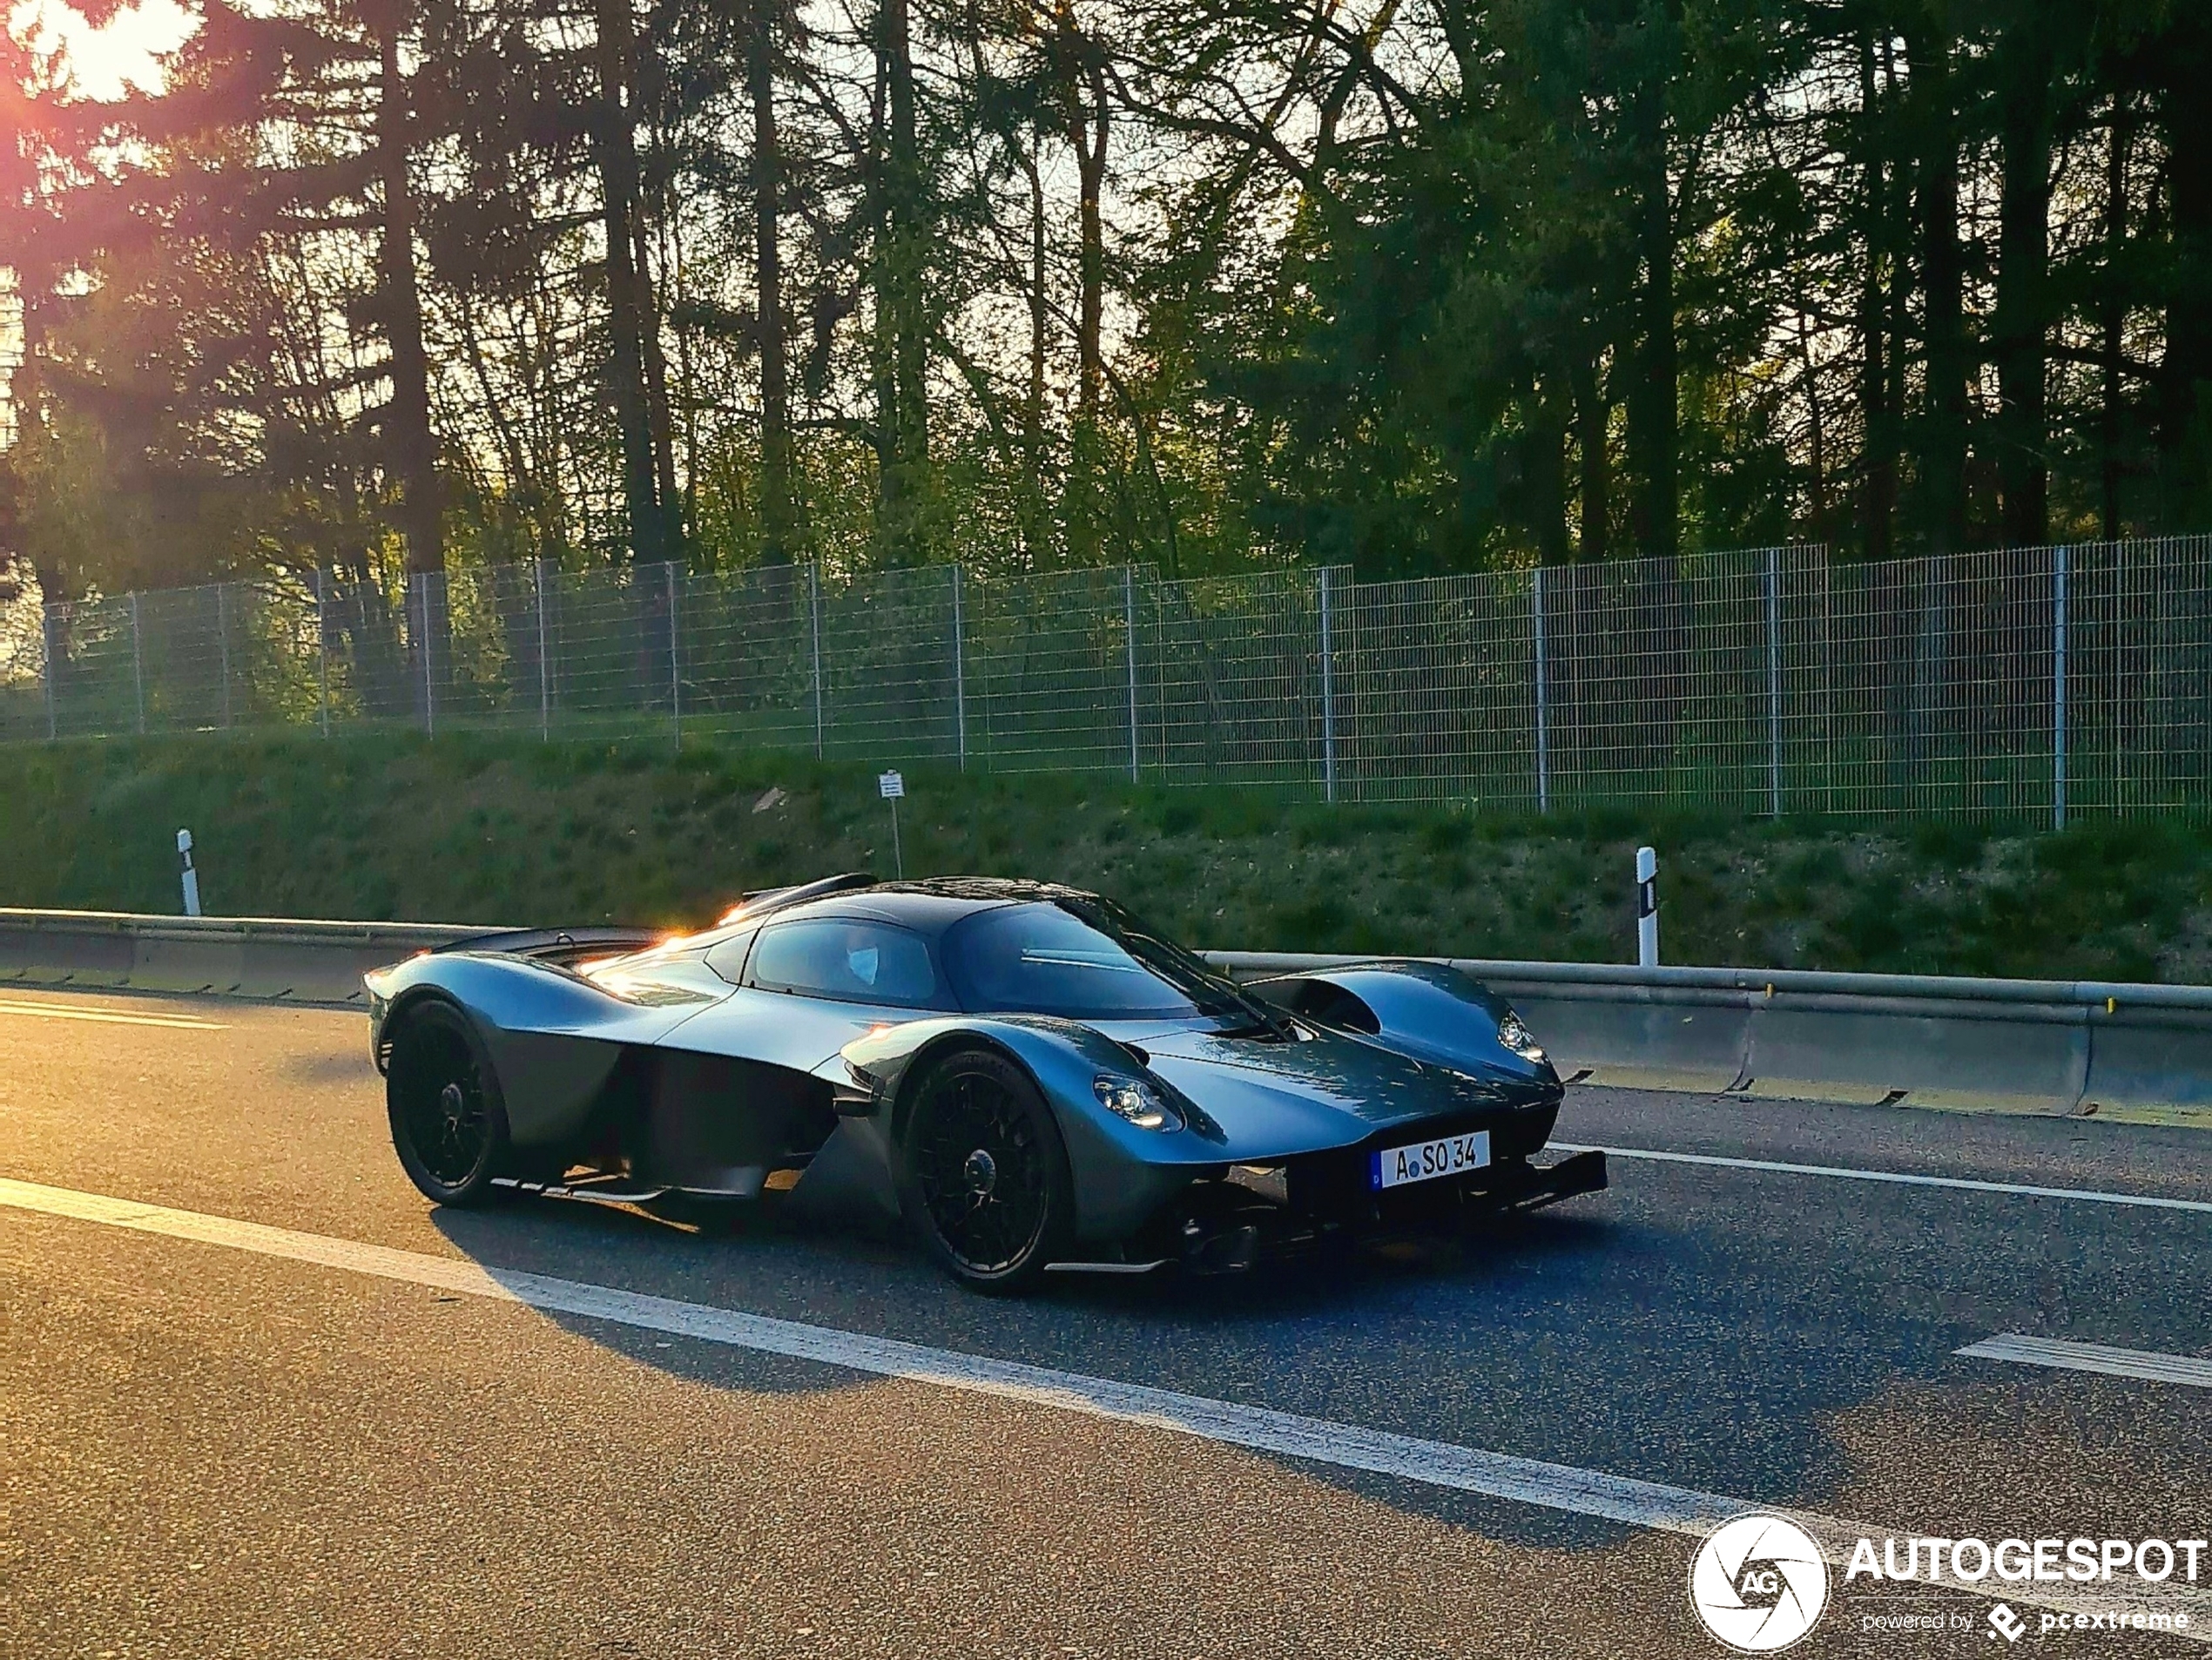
column 105, row 63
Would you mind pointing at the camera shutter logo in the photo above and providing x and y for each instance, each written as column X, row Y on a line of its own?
column 1759, row 1583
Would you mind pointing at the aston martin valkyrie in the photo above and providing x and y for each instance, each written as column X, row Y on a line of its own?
column 1027, row 1075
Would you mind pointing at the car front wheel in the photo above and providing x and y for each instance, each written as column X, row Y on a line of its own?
column 448, row 1123
column 983, row 1176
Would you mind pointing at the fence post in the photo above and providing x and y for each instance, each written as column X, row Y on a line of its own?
column 1328, row 688
column 2058, row 689
column 544, row 664
column 675, row 662
column 223, row 641
column 322, row 649
column 1774, row 681
column 1543, row 710
column 960, row 673
column 1128, row 642
column 46, row 663
column 429, row 686
column 814, row 622
column 137, row 663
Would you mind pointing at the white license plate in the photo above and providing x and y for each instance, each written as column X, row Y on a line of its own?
column 1426, row 1161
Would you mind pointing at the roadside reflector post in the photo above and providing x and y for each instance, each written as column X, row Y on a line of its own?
column 892, row 787
column 1647, row 908
column 191, row 876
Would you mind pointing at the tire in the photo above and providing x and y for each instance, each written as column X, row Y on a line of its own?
column 449, row 1122
column 982, row 1172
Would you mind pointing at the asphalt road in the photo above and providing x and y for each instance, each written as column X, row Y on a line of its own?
column 215, row 1449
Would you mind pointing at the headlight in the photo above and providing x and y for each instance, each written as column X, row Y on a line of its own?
column 1518, row 1038
column 1136, row 1101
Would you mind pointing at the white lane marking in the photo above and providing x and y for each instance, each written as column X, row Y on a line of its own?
column 109, row 1016
column 2093, row 1357
column 1842, row 1173
column 1466, row 1469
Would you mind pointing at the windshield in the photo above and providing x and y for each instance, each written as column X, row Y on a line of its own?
column 1082, row 960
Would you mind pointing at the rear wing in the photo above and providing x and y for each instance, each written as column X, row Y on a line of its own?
column 563, row 946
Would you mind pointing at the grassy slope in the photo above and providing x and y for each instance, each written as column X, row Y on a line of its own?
column 500, row 830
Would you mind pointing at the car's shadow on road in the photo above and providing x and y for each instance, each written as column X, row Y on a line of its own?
column 1549, row 1337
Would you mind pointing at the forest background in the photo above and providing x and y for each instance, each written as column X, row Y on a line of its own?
column 373, row 286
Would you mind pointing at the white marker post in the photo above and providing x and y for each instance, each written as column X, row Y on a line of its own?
column 892, row 787
column 1647, row 908
column 191, row 876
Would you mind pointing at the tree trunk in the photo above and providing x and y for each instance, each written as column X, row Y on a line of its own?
column 778, row 514
column 1548, row 411
column 659, row 415
column 1879, row 509
column 1652, row 398
column 1035, row 534
column 615, row 143
column 903, row 356
column 2022, row 324
column 1943, row 281
column 1087, row 134
column 2112, row 315
column 408, row 442
column 1593, row 438
column 2185, row 375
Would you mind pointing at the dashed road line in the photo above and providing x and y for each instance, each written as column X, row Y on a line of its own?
column 2191, row 1369
column 2147, row 1201
column 109, row 1016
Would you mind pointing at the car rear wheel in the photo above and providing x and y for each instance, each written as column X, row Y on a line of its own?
column 982, row 1172
column 448, row 1123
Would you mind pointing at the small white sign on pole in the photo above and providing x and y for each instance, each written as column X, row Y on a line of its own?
column 893, row 787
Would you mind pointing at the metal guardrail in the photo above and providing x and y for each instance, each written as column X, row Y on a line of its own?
column 2117, row 1050
column 246, row 957
column 2114, row 1049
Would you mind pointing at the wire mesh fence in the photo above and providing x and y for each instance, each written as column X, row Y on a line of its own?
column 2017, row 683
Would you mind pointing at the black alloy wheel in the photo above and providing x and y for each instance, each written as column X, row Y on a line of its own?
column 983, row 1175
column 448, row 1125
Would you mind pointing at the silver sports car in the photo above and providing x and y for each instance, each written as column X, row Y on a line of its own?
column 1028, row 1077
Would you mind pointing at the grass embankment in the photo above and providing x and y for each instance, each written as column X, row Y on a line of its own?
column 494, row 829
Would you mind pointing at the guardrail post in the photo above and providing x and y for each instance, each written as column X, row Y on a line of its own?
column 675, row 662
column 223, row 642
column 46, row 674
column 1128, row 642
column 1774, row 681
column 1543, row 711
column 814, row 626
column 138, row 665
column 959, row 674
column 2058, row 690
column 544, row 664
column 1328, row 689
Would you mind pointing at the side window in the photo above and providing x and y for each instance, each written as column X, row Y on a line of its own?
column 851, row 962
column 727, row 957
